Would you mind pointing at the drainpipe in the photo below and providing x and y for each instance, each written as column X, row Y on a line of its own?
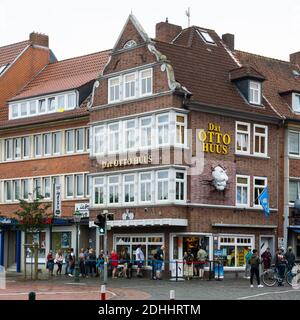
column 286, row 188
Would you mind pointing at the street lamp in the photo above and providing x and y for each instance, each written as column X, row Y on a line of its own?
column 77, row 218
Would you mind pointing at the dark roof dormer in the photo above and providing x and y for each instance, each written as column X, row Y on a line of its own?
column 292, row 98
column 249, row 82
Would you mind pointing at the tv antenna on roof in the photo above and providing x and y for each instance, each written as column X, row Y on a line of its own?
column 188, row 14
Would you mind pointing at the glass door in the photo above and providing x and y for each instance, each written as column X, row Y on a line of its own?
column 177, row 256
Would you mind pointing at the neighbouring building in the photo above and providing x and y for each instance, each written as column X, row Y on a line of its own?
column 183, row 142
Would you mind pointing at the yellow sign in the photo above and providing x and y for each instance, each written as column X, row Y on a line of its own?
column 213, row 140
column 127, row 162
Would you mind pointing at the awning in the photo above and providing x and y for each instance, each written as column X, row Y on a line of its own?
column 145, row 223
column 297, row 230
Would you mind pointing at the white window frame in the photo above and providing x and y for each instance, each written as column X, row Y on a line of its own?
column 141, row 79
column 110, row 100
column 129, row 183
column 164, row 124
column 265, row 179
column 157, row 180
column 127, row 132
column 295, row 98
column 248, row 132
column 49, row 152
column 100, row 137
column 38, row 137
column 44, row 179
column 17, row 143
column 9, row 146
column 26, row 146
column 114, row 133
column 257, row 90
column 260, row 135
column 77, row 149
column 67, row 140
column 8, row 183
column 242, row 185
column 102, row 186
column 114, row 184
column 140, row 182
column 289, row 145
column 141, row 130
column 181, row 124
column 183, row 180
column 76, row 176
column 126, row 82
column 56, row 141
column 67, row 176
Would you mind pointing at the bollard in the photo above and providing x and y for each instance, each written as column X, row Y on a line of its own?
column 172, row 294
column 103, row 292
column 31, row 295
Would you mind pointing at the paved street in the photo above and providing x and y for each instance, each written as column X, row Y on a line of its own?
column 64, row 288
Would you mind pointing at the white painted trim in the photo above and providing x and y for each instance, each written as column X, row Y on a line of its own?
column 243, row 185
column 244, row 132
column 148, row 222
column 265, row 154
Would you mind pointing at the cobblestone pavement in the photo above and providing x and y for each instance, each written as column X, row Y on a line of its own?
column 64, row 288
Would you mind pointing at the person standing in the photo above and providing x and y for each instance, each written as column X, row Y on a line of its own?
column 247, row 267
column 201, row 260
column 280, row 264
column 188, row 264
column 100, row 264
column 114, row 263
column 71, row 262
column 159, row 262
column 67, row 262
column 59, row 261
column 266, row 259
column 82, row 263
column 290, row 258
column 50, row 263
column 139, row 255
column 254, row 263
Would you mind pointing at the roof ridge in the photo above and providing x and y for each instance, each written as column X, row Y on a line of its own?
column 265, row 57
column 84, row 55
column 12, row 44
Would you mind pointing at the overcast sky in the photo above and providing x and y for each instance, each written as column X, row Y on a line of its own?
column 77, row 27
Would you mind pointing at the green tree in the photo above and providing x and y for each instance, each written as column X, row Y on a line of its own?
column 33, row 217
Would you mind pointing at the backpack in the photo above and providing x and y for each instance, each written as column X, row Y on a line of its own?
column 254, row 261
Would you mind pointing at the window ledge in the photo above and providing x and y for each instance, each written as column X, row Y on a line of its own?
column 252, row 155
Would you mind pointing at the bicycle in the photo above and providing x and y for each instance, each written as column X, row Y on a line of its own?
column 271, row 276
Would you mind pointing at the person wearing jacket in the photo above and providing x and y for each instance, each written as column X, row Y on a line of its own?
column 290, row 258
column 50, row 263
column 254, row 263
column 266, row 258
column 59, row 259
column 248, row 267
column 280, row 264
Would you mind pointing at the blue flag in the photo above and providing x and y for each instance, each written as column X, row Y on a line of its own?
column 263, row 199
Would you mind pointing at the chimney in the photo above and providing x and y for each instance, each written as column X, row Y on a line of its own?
column 295, row 58
column 228, row 39
column 165, row 31
column 39, row 39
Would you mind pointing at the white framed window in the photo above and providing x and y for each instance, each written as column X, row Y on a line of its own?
column 259, row 183
column 129, row 188
column 69, row 186
column 113, row 189
column 99, row 190
column 146, row 132
column 180, row 125
column 130, row 137
column 296, row 102
column 47, row 144
column 294, row 190
column 260, row 139
column 8, row 191
column 87, row 139
column 61, row 104
column 99, row 139
column 51, row 104
column 129, row 85
column 205, row 36
column 37, row 187
column 71, row 98
column 80, row 140
column 242, row 190
column 17, row 148
column 79, row 185
column 56, row 140
column 180, row 186
column 163, row 129
column 114, row 88
column 70, row 141
column 15, row 111
column 8, row 149
column 145, row 184
column 38, row 145
column 113, row 137
column 88, row 181
column 242, row 137
column 32, row 108
column 162, row 185
column 25, row 147
column 25, row 189
column 294, row 143
column 16, row 190
column 24, row 109
column 254, row 92
column 145, row 82
column 42, row 105
column 46, row 187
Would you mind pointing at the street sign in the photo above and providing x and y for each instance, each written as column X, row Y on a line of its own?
column 57, row 200
column 83, row 208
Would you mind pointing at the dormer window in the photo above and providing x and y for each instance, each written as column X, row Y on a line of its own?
column 254, row 92
column 42, row 105
column 296, row 102
column 206, row 37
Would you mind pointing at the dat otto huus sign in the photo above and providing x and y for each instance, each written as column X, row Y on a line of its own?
column 214, row 140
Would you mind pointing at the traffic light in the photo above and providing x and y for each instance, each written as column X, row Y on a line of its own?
column 101, row 223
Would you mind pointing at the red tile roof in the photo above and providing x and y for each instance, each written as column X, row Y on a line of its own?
column 10, row 52
column 204, row 70
column 65, row 75
column 279, row 78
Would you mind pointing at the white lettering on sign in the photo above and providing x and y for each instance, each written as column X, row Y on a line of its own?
column 57, row 200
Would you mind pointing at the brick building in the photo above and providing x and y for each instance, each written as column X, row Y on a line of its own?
column 44, row 140
column 183, row 142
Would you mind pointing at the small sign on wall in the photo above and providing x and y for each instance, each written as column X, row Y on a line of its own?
column 57, row 200
column 83, row 208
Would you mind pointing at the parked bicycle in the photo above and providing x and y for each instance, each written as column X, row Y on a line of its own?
column 271, row 276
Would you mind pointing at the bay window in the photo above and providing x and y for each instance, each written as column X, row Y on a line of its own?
column 129, row 188
column 163, row 129
column 162, row 185
column 130, row 134
column 113, row 137
column 145, row 187
column 179, row 186
column 180, row 129
column 146, row 129
column 99, row 140
column 113, row 189
column 99, row 185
